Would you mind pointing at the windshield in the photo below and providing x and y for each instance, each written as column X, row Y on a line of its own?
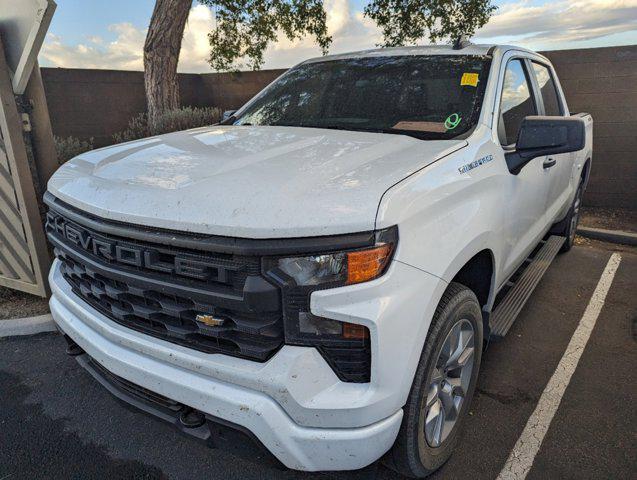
column 429, row 97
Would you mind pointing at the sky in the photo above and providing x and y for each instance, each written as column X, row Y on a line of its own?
column 110, row 34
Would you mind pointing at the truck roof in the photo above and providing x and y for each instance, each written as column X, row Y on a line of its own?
column 471, row 49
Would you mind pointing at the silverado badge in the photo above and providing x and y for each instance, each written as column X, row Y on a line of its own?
column 475, row 163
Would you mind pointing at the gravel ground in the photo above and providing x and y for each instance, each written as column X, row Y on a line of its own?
column 14, row 304
column 609, row 219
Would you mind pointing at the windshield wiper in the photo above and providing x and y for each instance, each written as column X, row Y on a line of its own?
column 392, row 131
column 352, row 128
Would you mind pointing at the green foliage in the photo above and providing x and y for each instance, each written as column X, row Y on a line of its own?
column 69, row 147
column 171, row 121
column 407, row 21
column 137, row 128
column 244, row 28
column 187, row 117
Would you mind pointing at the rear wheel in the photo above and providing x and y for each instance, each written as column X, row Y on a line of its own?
column 443, row 386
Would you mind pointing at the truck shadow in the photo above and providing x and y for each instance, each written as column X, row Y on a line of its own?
column 37, row 446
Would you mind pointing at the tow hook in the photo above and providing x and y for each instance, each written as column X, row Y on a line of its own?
column 73, row 349
column 191, row 418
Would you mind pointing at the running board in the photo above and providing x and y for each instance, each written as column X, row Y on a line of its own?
column 507, row 310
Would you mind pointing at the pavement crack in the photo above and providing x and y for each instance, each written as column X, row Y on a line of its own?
column 513, row 398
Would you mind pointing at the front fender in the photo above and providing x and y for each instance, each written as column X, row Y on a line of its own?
column 445, row 216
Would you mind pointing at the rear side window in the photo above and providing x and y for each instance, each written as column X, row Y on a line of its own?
column 516, row 102
column 550, row 98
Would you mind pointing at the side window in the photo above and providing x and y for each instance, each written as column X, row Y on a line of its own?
column 550, row 98
column 516, row 102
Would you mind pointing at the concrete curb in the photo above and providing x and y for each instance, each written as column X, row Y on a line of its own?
column 613, row 236
column 27, row 326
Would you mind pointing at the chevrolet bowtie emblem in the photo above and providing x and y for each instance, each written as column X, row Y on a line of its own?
column 209, row 320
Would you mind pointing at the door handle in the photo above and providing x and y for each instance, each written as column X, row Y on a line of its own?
column 549, row 162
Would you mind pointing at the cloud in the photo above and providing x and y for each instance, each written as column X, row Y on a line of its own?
column 515, row 89
column 124, row 53
column 350, row 31
column 194, row 47
column 558, row 24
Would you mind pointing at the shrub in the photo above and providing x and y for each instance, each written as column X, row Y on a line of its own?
column 187, row 117
column 171, row 121
column 137, row 128
column 69, row 147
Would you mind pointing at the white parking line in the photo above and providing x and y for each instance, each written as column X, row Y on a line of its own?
column 521, row 458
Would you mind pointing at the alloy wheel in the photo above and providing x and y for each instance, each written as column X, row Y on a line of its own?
column 449, row 382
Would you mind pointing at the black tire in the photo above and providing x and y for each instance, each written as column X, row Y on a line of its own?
column 568, row 227
column 411, row 454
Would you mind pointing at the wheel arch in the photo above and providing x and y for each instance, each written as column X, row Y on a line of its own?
column 477, row 274
column 586, row 171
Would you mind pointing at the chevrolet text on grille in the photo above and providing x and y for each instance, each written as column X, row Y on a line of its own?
column 136, row 256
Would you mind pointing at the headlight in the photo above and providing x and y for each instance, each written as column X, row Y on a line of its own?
column 345, row 267
column 315, row 269
column 345, row 346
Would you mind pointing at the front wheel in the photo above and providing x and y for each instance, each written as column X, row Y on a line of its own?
column 443, row 386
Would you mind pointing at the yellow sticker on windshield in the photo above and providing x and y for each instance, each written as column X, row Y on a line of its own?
column 469, row 79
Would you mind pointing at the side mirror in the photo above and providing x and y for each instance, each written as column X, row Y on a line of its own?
column 226, row 115
column 539, row 136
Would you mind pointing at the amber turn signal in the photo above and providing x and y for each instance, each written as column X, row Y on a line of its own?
column 365, row 265
column 352, row 331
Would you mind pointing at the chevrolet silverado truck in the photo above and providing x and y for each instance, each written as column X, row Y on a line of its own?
column 320, row 271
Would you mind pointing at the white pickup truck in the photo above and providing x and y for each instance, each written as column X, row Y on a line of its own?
column 320, row 270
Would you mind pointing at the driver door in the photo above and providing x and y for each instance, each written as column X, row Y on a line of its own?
column 526, row 195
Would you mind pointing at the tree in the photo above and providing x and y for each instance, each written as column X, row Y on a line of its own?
column 161, row 55
column 407, row 21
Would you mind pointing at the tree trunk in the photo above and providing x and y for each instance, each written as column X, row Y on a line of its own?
column 161, row 54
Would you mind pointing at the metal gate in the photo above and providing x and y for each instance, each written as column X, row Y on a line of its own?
column 24, row 255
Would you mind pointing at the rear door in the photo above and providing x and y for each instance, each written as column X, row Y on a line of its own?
column 524, row 221
column 558, row 168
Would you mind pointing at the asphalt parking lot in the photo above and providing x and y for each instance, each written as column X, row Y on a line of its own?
column 57, row 422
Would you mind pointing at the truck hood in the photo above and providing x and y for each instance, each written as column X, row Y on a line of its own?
column 248, row 181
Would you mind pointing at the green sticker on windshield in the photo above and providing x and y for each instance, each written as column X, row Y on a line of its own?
column 452, row 121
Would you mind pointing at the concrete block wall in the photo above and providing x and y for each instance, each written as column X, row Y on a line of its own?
column 87, row 103
column 601, row 81
column 229, row 91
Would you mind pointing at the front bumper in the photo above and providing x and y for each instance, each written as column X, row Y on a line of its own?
column 293, row 404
